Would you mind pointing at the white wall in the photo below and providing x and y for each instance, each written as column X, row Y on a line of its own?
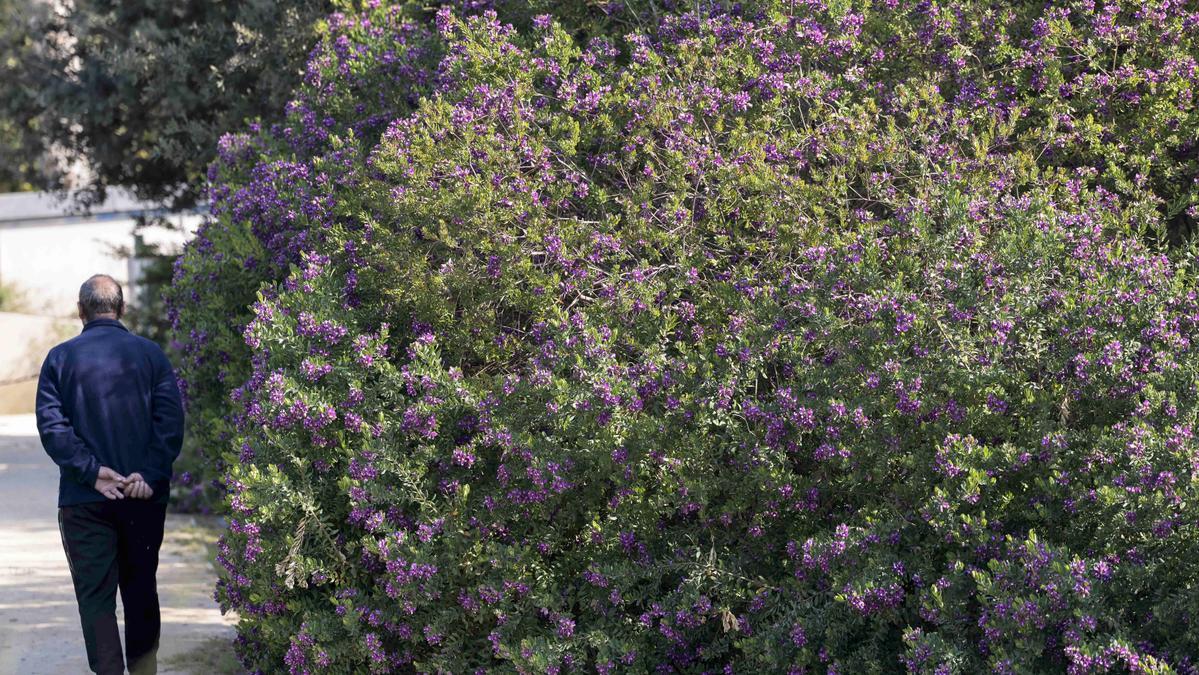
column 49, row 262
column 24, row 341
column 46, row 255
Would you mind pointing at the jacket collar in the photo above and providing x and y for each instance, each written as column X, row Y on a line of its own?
column 103, row 322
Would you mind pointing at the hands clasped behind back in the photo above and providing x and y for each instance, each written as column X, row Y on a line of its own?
column 137, row 487
column 115, row 486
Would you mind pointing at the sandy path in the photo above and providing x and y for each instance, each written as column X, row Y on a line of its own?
column 39, row 619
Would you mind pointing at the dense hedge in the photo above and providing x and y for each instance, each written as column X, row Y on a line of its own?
column 795, row 337
column 274, row 189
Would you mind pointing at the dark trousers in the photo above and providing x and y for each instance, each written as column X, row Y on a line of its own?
column 114, row 544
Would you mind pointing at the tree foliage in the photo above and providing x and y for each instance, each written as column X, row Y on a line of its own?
column 139, row 92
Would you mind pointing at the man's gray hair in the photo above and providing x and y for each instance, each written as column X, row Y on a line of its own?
column 100, row 294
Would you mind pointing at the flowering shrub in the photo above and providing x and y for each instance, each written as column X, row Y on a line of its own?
column 794, row 337
column 275, row 190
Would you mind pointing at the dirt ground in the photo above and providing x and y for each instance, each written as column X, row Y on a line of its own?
column 39, row 619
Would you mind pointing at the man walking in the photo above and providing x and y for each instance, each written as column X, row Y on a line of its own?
column 110, row 415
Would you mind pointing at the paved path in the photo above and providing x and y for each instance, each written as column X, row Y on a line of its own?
column 39, row 620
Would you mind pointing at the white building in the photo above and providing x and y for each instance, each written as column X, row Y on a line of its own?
column 46, row 252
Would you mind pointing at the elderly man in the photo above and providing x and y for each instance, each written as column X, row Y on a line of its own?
column 110, row 415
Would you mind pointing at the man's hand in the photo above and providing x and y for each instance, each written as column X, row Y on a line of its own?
column 136, row 486
column 109, row 483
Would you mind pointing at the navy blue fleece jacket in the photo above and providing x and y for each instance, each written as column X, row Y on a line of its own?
column 107, row 397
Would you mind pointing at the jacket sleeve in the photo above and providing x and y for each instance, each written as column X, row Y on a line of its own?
column 166, row 438
column 59, row 439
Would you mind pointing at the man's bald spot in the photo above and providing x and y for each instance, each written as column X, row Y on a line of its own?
column 100, row 295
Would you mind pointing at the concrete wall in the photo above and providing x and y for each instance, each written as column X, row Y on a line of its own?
column 24, row 341
column 46, row 251
column 47, row 262
column 17, row 398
